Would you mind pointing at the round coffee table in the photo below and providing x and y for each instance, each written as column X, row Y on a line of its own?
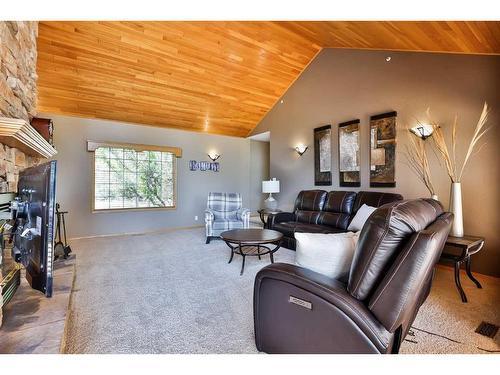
column 252, row 242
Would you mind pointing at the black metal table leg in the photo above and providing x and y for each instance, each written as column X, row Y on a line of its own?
column 457, row 282
column 271, row 254
column 469, row 245
column 469, row 273
column 232, row 252
column 250, row 247
column 261, row 214
column 242, row 264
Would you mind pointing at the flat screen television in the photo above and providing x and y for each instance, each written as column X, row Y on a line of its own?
column 33, row 230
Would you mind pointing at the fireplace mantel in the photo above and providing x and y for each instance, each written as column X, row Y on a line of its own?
column 21, row 135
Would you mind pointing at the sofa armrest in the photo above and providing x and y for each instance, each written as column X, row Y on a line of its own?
column 209, row 215
column 243, row 214
column 280, row 217
column 300, row 311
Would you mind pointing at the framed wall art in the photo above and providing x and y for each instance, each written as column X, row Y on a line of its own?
column 349, row 160
column 323, row 155
column 383, row 150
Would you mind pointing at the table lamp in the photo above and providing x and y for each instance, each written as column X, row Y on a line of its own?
column 271, row 186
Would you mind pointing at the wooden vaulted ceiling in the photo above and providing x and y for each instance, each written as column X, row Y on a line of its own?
column 216, row 77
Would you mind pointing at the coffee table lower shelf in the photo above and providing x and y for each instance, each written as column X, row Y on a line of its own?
column 252, row 242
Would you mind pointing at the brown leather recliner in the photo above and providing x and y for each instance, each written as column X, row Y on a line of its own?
column 300, row 311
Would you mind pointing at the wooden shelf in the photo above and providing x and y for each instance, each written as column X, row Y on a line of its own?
column 21, row 135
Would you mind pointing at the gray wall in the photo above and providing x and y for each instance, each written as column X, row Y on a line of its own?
column 340, row 85
column 74, row 174
column 259, row 171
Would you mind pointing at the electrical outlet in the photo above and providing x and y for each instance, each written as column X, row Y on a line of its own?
column 196, row 218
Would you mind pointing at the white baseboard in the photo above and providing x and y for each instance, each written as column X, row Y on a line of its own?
column 158, row 231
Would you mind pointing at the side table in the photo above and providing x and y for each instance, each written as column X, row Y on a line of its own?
column 468, row 246
column 264, row 214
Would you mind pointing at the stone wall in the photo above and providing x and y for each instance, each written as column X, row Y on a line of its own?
column 18, row 69
column 12, row 161
column 18, row 92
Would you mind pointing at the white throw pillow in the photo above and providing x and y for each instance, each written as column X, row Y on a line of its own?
column 329, row 254
column 360, row 218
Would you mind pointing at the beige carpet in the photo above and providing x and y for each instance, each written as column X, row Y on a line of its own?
column 443, row 313
column 171, row 293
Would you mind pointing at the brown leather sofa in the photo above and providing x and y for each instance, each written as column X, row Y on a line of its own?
column 300, row 311
column 318, row 211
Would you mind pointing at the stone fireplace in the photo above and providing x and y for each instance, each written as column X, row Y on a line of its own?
column 18, row 95
column 18, row 91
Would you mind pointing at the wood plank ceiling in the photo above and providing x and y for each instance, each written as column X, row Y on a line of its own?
column 215, row 77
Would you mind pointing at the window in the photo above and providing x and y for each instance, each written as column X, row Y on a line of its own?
column 128, row 178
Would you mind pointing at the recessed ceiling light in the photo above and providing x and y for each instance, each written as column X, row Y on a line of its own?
column 388, row 58
column 281, row 101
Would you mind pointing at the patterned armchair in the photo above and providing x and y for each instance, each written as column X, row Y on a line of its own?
column 224, row 212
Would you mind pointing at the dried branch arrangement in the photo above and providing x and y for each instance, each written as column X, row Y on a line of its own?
column 418, row 162
column 455, row 172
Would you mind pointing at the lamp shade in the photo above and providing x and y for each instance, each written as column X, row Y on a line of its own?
column 271, row 186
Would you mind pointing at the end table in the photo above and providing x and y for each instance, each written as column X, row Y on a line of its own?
column 264, row 214
column 469, row 245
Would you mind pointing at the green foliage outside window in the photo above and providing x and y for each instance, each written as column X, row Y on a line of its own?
column 126, row 178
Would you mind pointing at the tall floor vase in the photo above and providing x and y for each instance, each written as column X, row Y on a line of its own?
column 457, row 228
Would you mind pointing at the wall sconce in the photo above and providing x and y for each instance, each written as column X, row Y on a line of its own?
column 422, row 131
column 301, row 149
column 213, row 155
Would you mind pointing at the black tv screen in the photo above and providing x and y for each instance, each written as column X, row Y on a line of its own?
column 34, row 225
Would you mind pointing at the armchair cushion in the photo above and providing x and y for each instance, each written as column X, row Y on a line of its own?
column 224, row 205
column 226, row 224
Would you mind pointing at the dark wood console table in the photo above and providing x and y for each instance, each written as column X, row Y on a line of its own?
column 264, row 214
column 468, row 245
